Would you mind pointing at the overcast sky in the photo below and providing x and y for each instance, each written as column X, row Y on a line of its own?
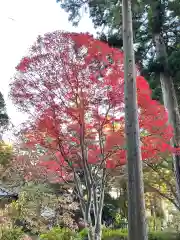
column 20, row 23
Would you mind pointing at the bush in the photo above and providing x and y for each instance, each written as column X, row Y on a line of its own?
column 60, row 234
column 83, row 234
column 109, row 234
column 11, row 234
column 164, row 236
column 112, row 234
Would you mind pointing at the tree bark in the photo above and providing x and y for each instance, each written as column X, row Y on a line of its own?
column 169, row 97
column 136, row 207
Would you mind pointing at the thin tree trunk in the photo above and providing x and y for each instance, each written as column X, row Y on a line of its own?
column 98, row 228
column 136, row 206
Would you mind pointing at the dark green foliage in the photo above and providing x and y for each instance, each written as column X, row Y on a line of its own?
column 151, row 73
column 101, row 11
column 4, row 119
column 111, row 207
column 174, row 65
column 73, row 8
column 113, row 40
column 156, row 15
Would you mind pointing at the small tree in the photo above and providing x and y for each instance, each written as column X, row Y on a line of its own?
column 73, row 87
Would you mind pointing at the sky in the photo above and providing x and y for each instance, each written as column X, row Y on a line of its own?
column 21, row 22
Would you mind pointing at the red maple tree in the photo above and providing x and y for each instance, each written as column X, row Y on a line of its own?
column 72, row 85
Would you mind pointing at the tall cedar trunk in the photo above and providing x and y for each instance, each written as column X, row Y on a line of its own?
column 169, row 95
column 136, row 206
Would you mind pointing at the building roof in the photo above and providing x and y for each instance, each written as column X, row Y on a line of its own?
column 6, row 193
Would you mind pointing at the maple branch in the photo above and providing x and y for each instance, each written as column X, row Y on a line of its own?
column 77, row 182
column 164, row 196
column 100, row 205
column 102, row 185
column 163, row 178
column 42, row 93
column 106, row 114
column 103, row 161
column 101, row 145
column 67, row 76
column 85, row 208
column 87, row 172
column 80, row 194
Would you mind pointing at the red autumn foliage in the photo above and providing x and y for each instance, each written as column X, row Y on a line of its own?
column 73, row 86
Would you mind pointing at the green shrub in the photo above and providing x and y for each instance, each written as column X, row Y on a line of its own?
column 83, row 233
column 107, row 234
column 110, row 234
column 164, row 236
column 11, row 234
column 60, row 234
